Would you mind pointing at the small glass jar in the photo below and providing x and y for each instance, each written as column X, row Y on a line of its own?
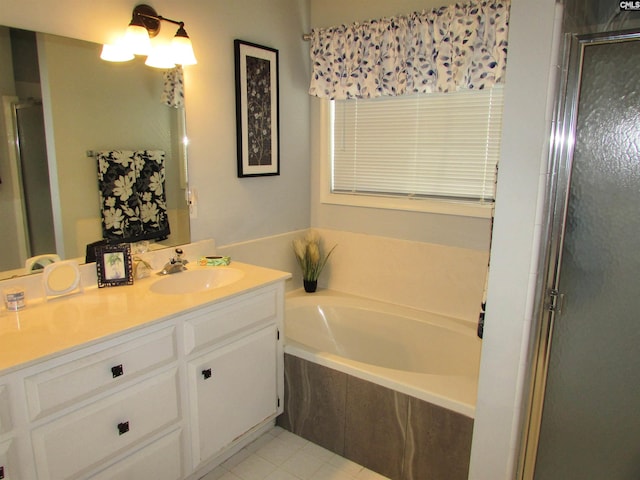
column 14, row 298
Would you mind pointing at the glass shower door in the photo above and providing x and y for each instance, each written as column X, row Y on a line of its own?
column 590, row 427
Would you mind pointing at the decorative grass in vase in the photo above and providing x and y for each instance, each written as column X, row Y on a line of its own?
column 310, row 259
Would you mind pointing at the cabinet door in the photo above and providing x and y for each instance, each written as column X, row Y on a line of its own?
column 232, row 390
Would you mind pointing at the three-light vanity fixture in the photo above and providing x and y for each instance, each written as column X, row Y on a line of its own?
column 145, row 25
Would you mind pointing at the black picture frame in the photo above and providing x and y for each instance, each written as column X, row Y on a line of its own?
column 114, row 265
column 257, row 109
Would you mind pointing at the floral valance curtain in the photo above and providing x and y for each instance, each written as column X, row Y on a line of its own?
column 173, row 87
column 132, row 195
column 442, row 50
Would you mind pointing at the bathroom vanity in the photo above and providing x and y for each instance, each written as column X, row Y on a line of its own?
column 127, row 382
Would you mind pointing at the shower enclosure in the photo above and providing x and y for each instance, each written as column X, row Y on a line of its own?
column 585, row 415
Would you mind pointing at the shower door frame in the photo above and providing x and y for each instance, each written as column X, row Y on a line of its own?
column 548, row 298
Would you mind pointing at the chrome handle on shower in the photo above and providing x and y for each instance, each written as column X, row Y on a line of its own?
column 556, row 300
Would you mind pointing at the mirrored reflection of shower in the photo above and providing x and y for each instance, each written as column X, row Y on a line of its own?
column 33, row 187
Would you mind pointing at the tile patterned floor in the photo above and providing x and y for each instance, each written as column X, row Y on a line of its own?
column 281, row 455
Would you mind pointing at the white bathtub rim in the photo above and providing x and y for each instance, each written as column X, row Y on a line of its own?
column 300, row 298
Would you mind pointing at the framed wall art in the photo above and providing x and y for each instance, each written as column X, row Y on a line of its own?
column 257, row 112
column 113, row 265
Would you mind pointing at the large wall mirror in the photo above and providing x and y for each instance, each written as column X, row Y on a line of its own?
column 60, row 102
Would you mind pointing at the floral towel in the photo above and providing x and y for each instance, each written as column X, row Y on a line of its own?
column 132, row 196
column 461, row 46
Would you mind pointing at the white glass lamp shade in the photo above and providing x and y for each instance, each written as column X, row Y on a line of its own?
column 116, row 52
column 160, row 57
column 137, row 39
column 182, row 51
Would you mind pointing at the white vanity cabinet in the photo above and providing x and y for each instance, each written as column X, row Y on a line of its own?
column 234, row 370
column 168, row 400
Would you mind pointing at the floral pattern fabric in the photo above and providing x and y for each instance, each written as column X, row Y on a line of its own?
column 132, row 196
column 443, row 50
column 173, row 87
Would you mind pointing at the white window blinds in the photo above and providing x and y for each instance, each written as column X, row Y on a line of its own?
column 432, row 145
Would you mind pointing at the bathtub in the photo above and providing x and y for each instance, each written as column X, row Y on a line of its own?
column 428, row 356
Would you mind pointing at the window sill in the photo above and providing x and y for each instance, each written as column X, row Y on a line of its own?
column 426, row 205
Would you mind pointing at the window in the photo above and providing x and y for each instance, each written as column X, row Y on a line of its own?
column 437, row 148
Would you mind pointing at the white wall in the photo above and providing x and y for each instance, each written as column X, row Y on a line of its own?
column 231, row 209
column 518, row 224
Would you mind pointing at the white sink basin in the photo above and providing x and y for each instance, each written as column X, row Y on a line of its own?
column 192, row 281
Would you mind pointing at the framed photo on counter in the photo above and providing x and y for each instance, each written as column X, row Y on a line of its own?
column 114, row 265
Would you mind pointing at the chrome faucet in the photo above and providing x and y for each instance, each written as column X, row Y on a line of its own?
column 175, row 264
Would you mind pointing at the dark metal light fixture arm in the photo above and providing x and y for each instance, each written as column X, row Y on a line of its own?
column 160, row 17
column 146, row 16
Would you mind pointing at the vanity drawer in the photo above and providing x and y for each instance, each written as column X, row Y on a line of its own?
column 213, row 325
column 162, row 460
column 60, row 386
column 84, row 439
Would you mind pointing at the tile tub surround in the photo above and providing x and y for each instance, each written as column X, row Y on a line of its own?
column 441, row 279
column 396, row 435
column 444, row 279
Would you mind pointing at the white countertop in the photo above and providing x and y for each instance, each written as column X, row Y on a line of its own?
column 60, row 325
